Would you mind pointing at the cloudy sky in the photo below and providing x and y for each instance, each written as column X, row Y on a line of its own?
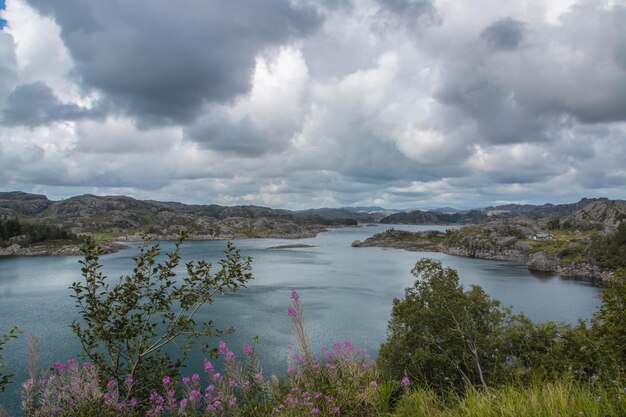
column 311, row 103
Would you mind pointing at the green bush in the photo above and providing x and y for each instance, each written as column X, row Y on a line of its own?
column 442, row 335
column 125, row 325
column 4, row 338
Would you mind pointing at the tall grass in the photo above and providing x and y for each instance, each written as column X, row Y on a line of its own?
column 560, row 398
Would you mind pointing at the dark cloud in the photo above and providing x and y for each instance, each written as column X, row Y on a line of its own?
column 161, row 61
column 494, row 109
column 505, row 34
column 241, row 137
column 35, row 104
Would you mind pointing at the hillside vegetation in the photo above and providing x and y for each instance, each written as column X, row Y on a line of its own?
column 587, row 243
column 121, row 216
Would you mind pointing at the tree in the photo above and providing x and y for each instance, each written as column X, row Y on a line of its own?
column 4, row 338
column 126, row 325
column 608, row 325
column 442, row 335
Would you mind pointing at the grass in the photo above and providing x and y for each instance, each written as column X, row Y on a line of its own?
column 561, row 398
column 568, row 246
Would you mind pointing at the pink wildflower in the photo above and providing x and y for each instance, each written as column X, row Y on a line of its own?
column 166, row 380
column 247, row 349
column 405, row 381
column 294, row 295
column 291, row 311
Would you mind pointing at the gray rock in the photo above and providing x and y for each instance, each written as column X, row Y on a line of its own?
column 540, row 261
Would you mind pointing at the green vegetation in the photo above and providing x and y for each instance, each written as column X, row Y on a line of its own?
column 33, row 232
column 4, row 338
column 125, row 325
column 610, row 251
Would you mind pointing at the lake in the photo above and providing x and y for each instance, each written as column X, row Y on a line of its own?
column 346, row 293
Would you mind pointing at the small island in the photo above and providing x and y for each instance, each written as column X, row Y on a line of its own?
column 295, row 246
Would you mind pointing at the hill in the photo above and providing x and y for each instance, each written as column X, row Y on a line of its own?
column 589, row 242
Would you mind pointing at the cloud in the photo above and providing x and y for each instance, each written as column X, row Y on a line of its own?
column 505, row 34
column 161, row 63
column 35, row 104
column 303, row 103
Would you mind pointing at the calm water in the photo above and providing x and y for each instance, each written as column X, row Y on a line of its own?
column 346, row 292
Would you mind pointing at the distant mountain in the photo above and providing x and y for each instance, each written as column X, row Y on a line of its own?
column 436, row 217
column 483, row 215
column 125, row 216
column 544, row 210
column 343, row 213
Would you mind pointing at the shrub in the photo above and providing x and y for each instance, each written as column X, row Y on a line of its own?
column 441, row 335
column 125, row 325
column 4, row 338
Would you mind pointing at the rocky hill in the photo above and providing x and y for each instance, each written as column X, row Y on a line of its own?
column 586, row 243
column 477, row 216
column 127, row 218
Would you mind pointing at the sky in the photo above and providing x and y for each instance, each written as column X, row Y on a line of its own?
column 325, row 103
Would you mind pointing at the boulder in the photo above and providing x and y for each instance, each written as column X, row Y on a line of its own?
column 540, row 261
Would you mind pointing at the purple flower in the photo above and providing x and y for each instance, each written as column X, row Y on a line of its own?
column 194, row 395
column 112, row 383
column 57, row 366
column 229, row 355
column 315, row 410
column 232, row 383
column 291, row 311
column 405, row 381
column 166, row 380
column 373, row 384
column 195, row 378
column 128, row 380
column 247, row 349
column 334, row 410
column 294, row 295
column 208, row 366
column 216, row 376
column 186, row 380
column 222, row 347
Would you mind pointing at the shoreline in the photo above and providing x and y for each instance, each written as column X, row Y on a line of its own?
column 538, row 262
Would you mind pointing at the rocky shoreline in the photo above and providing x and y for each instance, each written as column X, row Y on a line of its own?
column 66, row 248
column 58, row 249
column 511, row 249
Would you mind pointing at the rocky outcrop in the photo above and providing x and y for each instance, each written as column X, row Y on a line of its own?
column 495, row 241
column 599, row 214
column 56, row 249
column 540, row 261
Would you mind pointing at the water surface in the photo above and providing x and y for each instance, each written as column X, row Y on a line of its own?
column 347, row 293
